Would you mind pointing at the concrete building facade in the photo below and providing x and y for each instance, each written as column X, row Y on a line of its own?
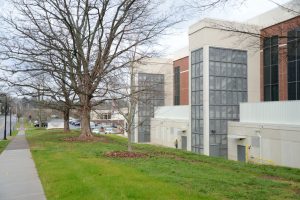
column 220, row 61
column 171, row 123
column 226, row 68
column 154, row 78
column 268, row 133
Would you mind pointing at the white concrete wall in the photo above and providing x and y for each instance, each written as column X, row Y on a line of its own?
column 225, row 34
column 206, row 100
column 165, row 131
column 279, row 144
column 172, row 112
column 276, row 15
column 280, row 112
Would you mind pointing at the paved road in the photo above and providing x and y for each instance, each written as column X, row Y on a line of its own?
column 13, row 119
column 19, row 179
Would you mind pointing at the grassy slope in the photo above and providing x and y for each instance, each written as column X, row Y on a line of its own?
column 80, row 171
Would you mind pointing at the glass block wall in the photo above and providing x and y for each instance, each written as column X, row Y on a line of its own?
column 151, row 95
column 227, row 88
column 197, row 100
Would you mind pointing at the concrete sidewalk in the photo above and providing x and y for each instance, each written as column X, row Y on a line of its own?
column 18, row 176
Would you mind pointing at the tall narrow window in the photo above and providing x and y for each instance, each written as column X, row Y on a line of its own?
column 271, row 69
column 177, row 86
column 197, row 101
column 294, row 64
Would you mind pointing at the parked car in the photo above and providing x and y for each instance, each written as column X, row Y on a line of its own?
column 111, row 130
column 37, row 124
column 76, row 123
column 92, row 125
column 96, row 131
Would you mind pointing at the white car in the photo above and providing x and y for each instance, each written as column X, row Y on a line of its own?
column 111, row 130
column 108, row 130
column 92, row 125
column 96, row 131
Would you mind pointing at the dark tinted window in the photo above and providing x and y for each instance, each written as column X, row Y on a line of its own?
column 294, row 64
column 292, row 35
column 177, row 86
column 298, row 90
column 274, row 92
column 270, row 51
column 292, row 91
column 267, row 77
column 267, row 93
column 267, row 57
column 292, row 50
column 274, row 74
column 292, row 72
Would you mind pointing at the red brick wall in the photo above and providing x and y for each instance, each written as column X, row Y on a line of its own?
column 281, row 30
column 183, row 63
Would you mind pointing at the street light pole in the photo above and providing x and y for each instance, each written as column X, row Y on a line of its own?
column 5, row 114
column 10, row 121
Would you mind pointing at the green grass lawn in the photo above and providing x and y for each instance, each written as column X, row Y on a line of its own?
column 4, row 143
column 78, row 170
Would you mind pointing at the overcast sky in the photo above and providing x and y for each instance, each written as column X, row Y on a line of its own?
column 249, row 9
column 178, row 39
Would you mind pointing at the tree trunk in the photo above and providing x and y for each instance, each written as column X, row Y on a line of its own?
column 129, row 140
column 66, row 114
column 40, row 118
column 85, row 119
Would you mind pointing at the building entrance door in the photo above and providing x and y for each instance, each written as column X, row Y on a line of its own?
column 241, row 153
column 183, row 142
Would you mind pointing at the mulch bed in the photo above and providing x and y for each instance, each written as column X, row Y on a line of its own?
column 125, row 154
column 79, row 139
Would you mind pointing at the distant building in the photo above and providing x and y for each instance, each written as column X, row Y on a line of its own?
column 112, row 117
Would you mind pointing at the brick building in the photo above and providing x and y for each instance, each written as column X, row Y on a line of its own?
column 181, row 81
column 268, row 132
column 280, row 61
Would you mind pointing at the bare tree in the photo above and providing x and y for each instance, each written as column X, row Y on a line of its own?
column 131, row 93
column 90, row 36
column 45, row 91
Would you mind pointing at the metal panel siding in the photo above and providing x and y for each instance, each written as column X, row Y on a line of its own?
column 281, row 112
